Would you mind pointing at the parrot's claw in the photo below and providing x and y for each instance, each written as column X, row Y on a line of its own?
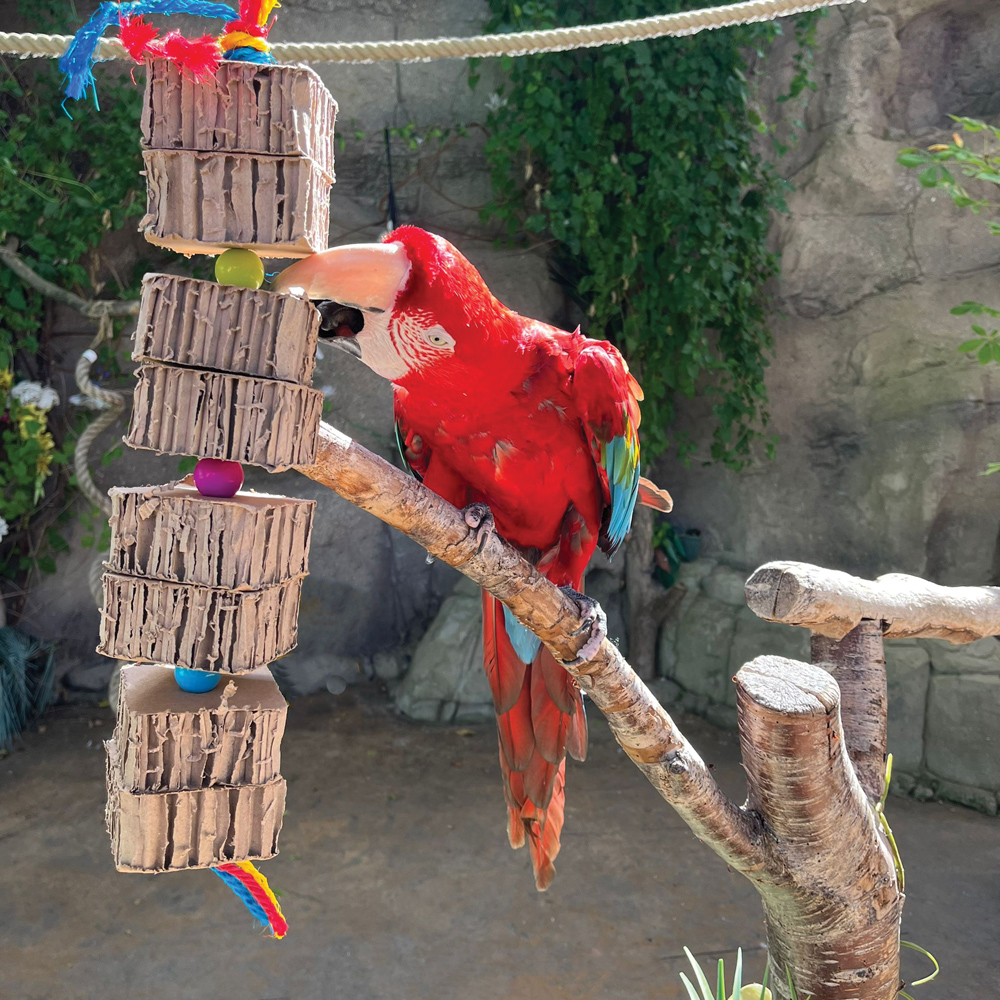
column 480, row 517
column 595, row 623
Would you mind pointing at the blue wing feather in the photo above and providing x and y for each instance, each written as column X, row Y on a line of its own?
column 620, row 459
column 524, row 642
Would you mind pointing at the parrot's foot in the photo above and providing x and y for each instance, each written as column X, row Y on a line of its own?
column 595, row 623
column 480, row 517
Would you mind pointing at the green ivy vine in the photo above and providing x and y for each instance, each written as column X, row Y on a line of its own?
column 65, row 183
column 638, row 163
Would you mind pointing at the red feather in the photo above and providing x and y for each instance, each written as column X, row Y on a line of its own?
column 549, row 723
column 504, row 669
column 576, row 743
column 516, row 732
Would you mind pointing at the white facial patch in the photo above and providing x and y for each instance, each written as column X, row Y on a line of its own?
column 394, row 347
column 377, row 348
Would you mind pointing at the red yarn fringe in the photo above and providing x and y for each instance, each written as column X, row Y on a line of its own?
column 198, row 57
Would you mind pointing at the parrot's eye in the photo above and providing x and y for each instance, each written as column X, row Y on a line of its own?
column 437, row 337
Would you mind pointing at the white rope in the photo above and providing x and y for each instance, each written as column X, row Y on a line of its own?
column 520, row 43
column 112, row 402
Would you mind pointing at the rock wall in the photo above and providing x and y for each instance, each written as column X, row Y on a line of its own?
column 882, row 426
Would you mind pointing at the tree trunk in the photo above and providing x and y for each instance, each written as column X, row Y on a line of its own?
column 831, row 902
column 647, row 602
column 857, row 662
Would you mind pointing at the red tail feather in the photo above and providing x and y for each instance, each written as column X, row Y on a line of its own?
column 538, row 720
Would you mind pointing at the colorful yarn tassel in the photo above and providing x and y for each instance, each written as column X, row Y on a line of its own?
column 252, row 889
column 245, row 39
column 79, row 57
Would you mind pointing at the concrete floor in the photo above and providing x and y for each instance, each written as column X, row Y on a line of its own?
column 398, row 883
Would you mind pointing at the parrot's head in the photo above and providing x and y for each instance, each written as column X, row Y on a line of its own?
column 411, row 307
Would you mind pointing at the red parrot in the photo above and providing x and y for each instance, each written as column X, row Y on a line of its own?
column 505, row 416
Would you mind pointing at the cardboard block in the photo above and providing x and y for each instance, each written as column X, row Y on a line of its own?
column 169, row 740
column 277, row 206
column 202, row 324
column 183, row 411
column 173, row 533
column 172, row 831
column 278, row 109
column 201, row 628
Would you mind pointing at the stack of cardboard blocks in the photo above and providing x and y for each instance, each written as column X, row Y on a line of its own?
column 210, row 583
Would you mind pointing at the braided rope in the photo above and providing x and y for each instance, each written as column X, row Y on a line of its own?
column 475, row 46
column 114, row 403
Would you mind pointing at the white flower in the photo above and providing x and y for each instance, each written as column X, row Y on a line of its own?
column 3, row 527
column 35, row 394
column 496, row 102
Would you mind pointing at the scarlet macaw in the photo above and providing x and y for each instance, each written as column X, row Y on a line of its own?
column 537, row 424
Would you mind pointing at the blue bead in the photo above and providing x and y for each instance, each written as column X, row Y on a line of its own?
column 196, row 681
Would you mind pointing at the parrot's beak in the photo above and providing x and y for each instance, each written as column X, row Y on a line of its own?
column 365, row 277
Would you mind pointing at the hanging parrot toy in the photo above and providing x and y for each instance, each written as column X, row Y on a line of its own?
column 533, row 432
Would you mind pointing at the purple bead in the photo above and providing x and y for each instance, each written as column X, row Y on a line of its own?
column 215, row 477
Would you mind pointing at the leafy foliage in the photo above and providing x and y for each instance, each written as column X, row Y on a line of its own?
column 752, row 991
column 26, row 457
column 26, row 678
column 637, row 161
column 982, row 166
column 64, row 185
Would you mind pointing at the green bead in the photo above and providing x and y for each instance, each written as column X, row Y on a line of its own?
column 239, row 267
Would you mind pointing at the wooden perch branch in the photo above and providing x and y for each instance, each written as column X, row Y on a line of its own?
column 807, row 838
column 91, row 308
column 832, row 603
column 640, row 724
column 857, row 662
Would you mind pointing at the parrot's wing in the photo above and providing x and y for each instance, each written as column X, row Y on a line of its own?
column 607, row 399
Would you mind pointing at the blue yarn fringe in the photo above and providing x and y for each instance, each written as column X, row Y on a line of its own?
column 79, row 57
column 248, row 54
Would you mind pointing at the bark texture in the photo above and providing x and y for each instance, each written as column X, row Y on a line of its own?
column 857, row 663
column 828, row 886
column 832, row 603
column 647, row 602
column 807, row 837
